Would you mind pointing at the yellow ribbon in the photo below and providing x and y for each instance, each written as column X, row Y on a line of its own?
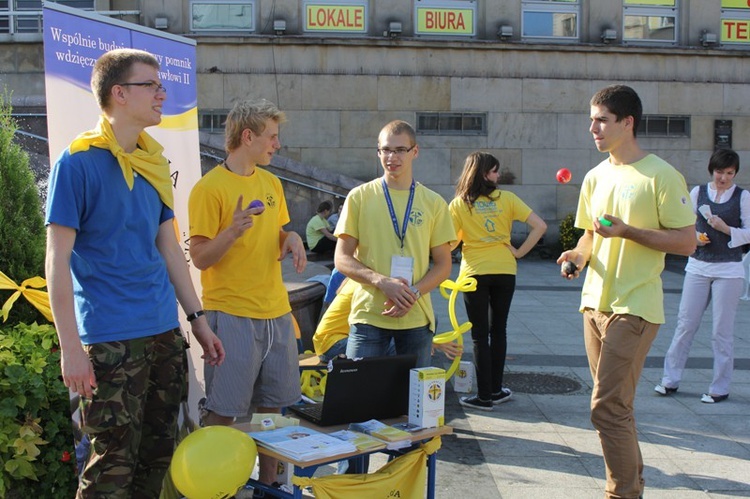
column 464, row 285
column 40, row 299
column 147, row 159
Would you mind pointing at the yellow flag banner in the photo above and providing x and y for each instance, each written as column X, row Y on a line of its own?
column 404, row 477
column 37, row 297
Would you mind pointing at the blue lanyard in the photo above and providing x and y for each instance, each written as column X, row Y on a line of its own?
column 401, row 235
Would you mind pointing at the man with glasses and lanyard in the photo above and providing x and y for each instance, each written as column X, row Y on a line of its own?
column 388, row 230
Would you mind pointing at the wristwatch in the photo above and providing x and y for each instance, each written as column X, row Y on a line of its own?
column 195, row 315
column 416, row 291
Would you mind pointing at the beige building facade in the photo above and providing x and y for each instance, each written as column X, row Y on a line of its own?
column 510, row 77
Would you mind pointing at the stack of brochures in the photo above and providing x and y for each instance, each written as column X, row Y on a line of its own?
column 359, row 440
column 393, row 437
column 302, row 444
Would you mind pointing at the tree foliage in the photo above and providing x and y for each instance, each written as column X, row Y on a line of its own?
column 569, row 233
column 22, row 232
column 36, row 433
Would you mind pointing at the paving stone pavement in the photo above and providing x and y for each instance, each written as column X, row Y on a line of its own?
column 543, row 445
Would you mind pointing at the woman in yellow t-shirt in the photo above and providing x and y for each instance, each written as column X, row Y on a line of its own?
column 483, row 217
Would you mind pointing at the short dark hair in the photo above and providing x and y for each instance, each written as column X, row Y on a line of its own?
column 622, row 101
column 325, row 206
column 114, row 67
column 724, row 158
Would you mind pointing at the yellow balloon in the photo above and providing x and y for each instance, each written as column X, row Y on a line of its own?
column 213, row 462
column 465, row 285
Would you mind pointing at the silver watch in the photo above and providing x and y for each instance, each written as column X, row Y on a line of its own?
column 416, row 291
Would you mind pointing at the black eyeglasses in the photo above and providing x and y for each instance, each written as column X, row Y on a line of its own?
column 156, row 87
column 399, row 151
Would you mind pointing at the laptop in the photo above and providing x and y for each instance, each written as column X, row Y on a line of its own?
column 359, row 390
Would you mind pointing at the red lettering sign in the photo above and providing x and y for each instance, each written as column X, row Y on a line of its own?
column 444, row 20
column 332, row 17
column 742, row 31
column 736, row 30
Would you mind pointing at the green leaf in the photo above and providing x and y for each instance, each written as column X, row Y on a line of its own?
column 8, row 408
column 15, row 372
column 20, row 468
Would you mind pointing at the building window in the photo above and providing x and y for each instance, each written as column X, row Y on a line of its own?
column 452, row 123
column 735, row 23
column 222, row 16
column 550, row 19
column 212, row 120
column 25, row 16
column 649, row 21
column 664, row 126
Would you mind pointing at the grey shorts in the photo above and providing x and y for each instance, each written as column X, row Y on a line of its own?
column 261, row 367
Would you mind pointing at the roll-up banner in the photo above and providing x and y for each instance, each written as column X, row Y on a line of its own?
column 73, row 40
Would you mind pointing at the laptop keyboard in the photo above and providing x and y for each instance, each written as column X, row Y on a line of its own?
column 315, row 411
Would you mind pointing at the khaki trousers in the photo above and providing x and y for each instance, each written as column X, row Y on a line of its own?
column 616, row 346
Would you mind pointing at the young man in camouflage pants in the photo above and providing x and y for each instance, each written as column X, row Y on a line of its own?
column 115, row 271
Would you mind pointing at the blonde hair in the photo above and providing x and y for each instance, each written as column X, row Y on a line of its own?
column 249, row 114
column 399, row 127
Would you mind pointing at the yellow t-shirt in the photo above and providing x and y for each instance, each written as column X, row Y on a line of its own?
column 485, row 231
column 365, row 217
column 624, row 277
column 247, row 281
column 334, row 325
column 312, row 231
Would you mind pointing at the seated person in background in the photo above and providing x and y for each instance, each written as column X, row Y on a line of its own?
column 334, row 219
column 319, row 237
column 332, row 332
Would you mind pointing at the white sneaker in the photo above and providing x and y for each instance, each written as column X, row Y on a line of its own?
column 664, row 390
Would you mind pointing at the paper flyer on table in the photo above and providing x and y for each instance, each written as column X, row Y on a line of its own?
column 302, row 444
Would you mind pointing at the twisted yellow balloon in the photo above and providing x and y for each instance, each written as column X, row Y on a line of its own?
column 313, row 383
column 38, row 298
column 464, row 285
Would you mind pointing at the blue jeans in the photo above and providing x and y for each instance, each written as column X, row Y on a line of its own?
column 372, row 341
column 337, row 349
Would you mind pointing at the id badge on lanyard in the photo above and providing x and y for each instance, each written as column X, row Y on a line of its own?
column 401, row 266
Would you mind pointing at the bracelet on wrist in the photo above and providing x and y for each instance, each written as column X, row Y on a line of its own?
column 195, row 315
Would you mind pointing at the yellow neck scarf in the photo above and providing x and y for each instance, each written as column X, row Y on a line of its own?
column 147, row 159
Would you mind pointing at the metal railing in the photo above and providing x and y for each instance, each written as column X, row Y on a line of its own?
column 219, row 159
column 285, row 179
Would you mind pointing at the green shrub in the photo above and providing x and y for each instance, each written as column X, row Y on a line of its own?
column 36, row 437
column 569, row 234
column 22, row 233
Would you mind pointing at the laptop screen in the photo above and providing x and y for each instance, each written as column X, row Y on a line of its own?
column 370, row 388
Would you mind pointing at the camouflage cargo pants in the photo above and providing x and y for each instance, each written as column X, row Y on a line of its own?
column 132, row 418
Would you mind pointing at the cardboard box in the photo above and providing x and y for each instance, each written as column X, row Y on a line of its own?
column 463, row 379
column 427, row 397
